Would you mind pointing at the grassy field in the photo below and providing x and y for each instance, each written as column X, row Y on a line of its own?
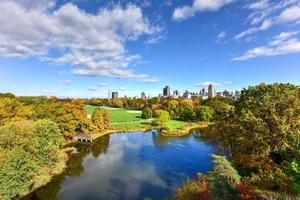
column 175, row 124
column 131, row 119
column 118, row 115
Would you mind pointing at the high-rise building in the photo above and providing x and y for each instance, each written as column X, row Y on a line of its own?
column 114, row 95
column 176, row 94
column 143, row 95
column 166, row 91
column 211, row 91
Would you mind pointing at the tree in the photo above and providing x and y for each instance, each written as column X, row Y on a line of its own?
column 186, row 110
column 223, row 179
column 172, row 107
column 161, row 117
column 12, row 110
column 98, row 118
column 204, row 113
column 146, row 113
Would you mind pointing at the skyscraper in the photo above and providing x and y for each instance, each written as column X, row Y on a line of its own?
column 166, row 91
column 114, row 95
column 176, row 94
column 211, row 91
column 143, row 95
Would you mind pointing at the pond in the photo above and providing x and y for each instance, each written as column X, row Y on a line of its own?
column 129, row 166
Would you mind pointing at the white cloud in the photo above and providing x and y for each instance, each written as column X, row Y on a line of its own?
column 281, row 44
column 258, row 5
column 268, row 13
column 206, row 83
column 221, row 36
column 264, row 26
column 94, row 44
column 290, row 14
column 185, row 12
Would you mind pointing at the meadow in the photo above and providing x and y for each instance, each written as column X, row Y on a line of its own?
column 121, row 118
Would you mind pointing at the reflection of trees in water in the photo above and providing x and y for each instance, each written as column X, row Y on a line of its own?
column 48, row 192
column 74, row 168
column 158, row 140
column 100, row 145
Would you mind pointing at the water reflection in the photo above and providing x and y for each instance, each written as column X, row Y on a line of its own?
column 128, row 166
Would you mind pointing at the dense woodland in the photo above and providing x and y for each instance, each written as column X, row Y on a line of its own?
column 33, row 131
column 262, row 137
column 259, row 134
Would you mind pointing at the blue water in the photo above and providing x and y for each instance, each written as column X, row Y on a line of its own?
column 129, row 166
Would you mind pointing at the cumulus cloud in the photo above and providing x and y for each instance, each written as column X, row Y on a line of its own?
column 94, row 44
column 185, row 12
column 284, row 43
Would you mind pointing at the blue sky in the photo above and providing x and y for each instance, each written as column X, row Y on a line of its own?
column 85, row 48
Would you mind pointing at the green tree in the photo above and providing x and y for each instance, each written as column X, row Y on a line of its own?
column 161, row 117
column 146, row 113
column 204, row 113
column 223, row 179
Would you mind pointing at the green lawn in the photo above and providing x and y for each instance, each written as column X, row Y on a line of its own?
column 175, row 124
column 118, row 115
column 131, row 119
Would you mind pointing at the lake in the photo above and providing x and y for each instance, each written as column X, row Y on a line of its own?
column 129, row 166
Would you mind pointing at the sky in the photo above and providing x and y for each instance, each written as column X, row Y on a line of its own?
column 86, row 48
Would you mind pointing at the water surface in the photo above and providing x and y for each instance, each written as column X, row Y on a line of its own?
column 129, row 166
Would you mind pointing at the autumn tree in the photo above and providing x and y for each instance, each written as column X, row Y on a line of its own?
column 161, row 117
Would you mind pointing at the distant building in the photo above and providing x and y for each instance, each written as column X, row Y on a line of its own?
column 176, row 94
column 211, row 91
column 186, row 95
column 143, row 95
column 114, row 95
column 237, row 94
column 166, row 91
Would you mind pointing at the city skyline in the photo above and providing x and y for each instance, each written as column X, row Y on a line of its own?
column 65, row 48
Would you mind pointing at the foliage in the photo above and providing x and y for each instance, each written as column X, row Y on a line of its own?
column 29, row 155
column 224, row 179
column 161, row 117
column 194, row 190
column 146, row 113
column 100, row 119
column 204, row 113
column 12, row 110
column 222, row 182
column 260, row 134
